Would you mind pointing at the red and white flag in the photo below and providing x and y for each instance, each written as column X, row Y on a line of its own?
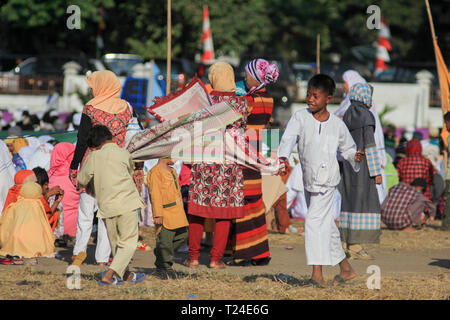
column 383, row 47
column 207, row 42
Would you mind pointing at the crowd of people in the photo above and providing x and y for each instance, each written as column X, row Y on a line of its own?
column 339, row 172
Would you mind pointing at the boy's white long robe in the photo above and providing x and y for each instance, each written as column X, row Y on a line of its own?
column 317, row 144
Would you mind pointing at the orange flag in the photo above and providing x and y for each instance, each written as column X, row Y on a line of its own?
column 444, row 84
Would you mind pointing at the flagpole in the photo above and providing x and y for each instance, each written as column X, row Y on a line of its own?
column 430, row 19
column 444, row 132
column 318, row 54
column 169, row 45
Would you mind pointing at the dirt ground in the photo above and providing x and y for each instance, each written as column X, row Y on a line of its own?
column 412, row 266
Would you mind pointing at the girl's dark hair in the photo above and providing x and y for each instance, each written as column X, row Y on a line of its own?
column 41, row 176
column 322, row 82
column 447, row 116
column 97, row 135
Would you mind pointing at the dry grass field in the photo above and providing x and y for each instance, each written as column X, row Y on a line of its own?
column 30, row 282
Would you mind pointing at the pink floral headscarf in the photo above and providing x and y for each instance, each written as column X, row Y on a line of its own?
column 262, row 71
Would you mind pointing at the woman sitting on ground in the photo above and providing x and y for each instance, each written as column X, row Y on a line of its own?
column 24, row 228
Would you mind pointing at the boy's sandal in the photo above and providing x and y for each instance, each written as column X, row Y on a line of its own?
column 5, row 261
column 137, row 277
column 16, row 260
column 79, row 258
column 143, row 246
column 314, row 284
column 338, row 280
column 190, row 263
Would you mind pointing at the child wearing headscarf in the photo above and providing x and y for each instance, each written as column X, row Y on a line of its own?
column 350, row 78
column 108, row 109
column 20, row 178
column 59, row 166
column 24, row 228
column 252, row 227
column 360, row 210
column 216, row 191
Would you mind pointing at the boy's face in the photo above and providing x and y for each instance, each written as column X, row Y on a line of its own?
column 317, row 99
column 447, row 125
column 419, row 188
column 45, row 188
column 250, row 81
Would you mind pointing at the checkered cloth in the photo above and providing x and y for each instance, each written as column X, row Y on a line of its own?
column 373, row 161
column 394, row 211
column 360, row 221
column 416, row 166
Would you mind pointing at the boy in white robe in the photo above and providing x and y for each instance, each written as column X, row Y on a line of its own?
column 319, row 135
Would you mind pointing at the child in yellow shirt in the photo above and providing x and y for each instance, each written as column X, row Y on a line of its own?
column 168, row 212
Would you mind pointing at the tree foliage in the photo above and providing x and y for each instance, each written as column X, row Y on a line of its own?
column 287, row 27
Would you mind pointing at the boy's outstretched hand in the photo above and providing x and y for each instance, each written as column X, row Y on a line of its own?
column 359, row 156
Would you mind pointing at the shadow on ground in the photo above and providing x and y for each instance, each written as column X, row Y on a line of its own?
column 443, row 263
column 280, row 277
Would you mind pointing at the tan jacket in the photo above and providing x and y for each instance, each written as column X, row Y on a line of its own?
column 165, row 195
column 112, row 170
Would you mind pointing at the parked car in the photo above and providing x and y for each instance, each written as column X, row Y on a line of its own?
column 284, row 89
column 51, row 65
column 121, row 63
column 42, row 74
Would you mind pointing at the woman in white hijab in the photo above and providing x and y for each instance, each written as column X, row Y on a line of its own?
column 7, row 173
column 350, row 78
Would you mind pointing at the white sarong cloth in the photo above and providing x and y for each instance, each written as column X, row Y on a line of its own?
column 322, row 239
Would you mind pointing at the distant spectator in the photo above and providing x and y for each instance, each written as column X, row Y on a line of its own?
column 407, row 207
column 415, row 165
column 390, row 140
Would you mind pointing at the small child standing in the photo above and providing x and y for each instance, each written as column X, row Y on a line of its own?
column 118, row 199
column 168, row 213
column 319, row 135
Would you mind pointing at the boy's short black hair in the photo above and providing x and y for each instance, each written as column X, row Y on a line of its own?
column 419, row 182
column 97, row 135
column 323, row 82
column 447, row 116
column 41, row 176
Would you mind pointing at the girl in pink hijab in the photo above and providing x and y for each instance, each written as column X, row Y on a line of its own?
column 59, row 167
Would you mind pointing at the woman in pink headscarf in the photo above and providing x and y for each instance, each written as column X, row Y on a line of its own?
column 59, row 166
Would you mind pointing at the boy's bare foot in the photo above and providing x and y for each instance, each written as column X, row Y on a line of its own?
column 317, row 275
column 108, row 276
column 347, row 272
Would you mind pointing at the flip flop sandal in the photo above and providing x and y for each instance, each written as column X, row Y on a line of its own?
column 115, row 282
column 16, row 260
column 79, row 258
column 137, row 277
column 314, row 284
column 339, row 280
column 5, row 261
column 361, row 255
